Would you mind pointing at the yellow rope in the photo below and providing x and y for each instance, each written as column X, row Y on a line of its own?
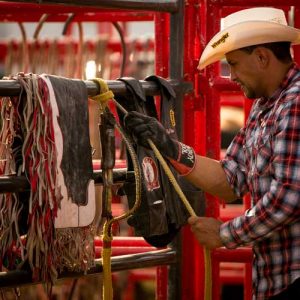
column 104, row 96
column 207, row 256
column 107, row 291
column 106, row 262
column 105, row 93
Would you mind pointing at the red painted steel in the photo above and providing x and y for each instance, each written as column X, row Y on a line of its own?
column 161, row 283
column 62, row 45
column 210, row 86
column 79, row 17
column 241, row 4
column 21, row 7
column 162, row 50
column 162, row 35
column 201, row 120
column 120, row 241
column 297, row 25
column 248, row 281
column 211, row 15
column 193, row 132
column 117, row 250
column 27, row 12
column 242, row 254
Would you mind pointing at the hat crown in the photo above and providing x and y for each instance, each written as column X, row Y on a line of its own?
column 266, row 14
column 253, row 26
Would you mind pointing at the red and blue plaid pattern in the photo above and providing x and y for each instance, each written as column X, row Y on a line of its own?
column 264, row 160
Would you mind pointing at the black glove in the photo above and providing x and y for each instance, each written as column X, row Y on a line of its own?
column 143, row 128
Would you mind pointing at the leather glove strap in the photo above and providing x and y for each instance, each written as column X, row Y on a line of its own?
column 186, row 159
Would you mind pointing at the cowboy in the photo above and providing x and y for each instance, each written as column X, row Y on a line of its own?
column 263, row 158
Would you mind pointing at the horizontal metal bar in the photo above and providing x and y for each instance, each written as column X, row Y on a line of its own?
column 123, row 16
column 14, row 184
column 123, row 241
column 116, row 251
column 137, row 261
column 13, row 88
column 221, row 84
column 224, row 84
column 20, row 8
column 118, row 263
column 9, row 184
column 253, row 3
column 243, row 254
column 119, row 176
column 62, row 46
column 151, row 5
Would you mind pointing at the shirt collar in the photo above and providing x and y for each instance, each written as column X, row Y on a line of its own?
column 265, row 102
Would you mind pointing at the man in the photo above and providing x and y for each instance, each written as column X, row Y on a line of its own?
column 264, row 157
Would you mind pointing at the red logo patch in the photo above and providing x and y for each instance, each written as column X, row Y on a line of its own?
column 150, row 171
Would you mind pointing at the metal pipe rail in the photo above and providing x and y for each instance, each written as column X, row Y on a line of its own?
column 13, row 88
column 118, row 263
column 243, row 255
column 19, row 8
column 252, row 3
column 170, row 6
column 174, row 53
column 32, row 12
column 122, row 16
column 15, row 184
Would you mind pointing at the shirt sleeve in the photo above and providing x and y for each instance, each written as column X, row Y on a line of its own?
column 281, row 204
column 234, row 165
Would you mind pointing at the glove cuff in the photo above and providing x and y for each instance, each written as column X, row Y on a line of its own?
column 185, row 161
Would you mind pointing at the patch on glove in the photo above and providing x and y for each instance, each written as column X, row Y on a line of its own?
column 150, row 171
column 186, row 159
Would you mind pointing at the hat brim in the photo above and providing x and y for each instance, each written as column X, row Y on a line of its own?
column 246, row 34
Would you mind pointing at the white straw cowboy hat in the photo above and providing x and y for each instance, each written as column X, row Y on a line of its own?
column 249, row 27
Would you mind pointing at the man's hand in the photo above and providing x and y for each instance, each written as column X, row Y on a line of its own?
column 206, row 231
column 144, row 128
column 181, row 156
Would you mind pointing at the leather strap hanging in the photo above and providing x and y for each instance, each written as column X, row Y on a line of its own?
column 160, row 216
column 175, row 208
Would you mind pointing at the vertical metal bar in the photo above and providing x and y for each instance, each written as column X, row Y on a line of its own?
column 213, row 135
column 246, row 199
column 161, row 283
column 297, row 25
column 176, row 72
column 193, row 134
column 162, row 33
column 248, row 282
column 176, row 58
column 162, row 52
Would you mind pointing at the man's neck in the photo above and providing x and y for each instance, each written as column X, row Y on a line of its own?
column 277, row 73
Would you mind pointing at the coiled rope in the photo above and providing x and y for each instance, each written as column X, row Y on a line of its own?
column 106, row 95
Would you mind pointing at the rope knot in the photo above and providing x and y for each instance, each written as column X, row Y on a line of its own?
column 105, row 93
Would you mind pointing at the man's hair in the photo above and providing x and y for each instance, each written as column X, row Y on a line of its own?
column 281, row 50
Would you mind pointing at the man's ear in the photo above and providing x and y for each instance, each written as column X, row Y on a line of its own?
column 263, row 56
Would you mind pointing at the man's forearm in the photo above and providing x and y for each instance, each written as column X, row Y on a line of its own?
column 209, row 175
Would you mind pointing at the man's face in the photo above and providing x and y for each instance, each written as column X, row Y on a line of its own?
column 245, row 71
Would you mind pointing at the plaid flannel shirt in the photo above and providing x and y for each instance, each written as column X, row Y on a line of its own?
column 264, row 160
